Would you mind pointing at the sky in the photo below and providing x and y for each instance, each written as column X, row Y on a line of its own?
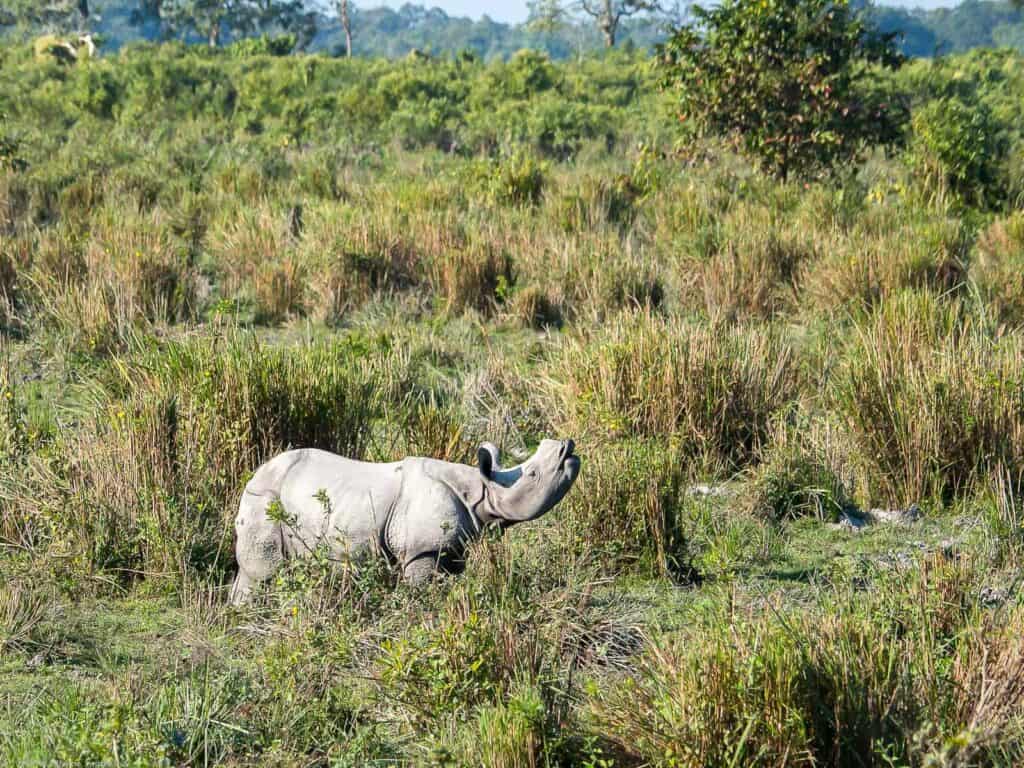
column 515, row 10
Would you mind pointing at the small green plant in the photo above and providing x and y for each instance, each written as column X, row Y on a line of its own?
column 802, row 474
column 516, row 180
column 10, row 151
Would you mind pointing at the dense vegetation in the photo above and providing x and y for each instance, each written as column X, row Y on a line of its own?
column 209, row 255
column 381, row 31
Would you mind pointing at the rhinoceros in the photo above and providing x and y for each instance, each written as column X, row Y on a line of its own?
column 420, row 513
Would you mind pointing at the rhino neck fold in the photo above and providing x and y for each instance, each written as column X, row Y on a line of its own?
column 498, row 507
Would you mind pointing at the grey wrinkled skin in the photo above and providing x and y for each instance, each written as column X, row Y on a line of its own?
column 420, row 513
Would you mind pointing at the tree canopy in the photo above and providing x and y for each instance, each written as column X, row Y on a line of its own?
column 783, row 79
column 394, row 32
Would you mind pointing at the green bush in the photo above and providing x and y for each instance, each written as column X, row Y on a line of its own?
column 804, row 106
column 956, row 146
column 264, row 45
column 516, row 180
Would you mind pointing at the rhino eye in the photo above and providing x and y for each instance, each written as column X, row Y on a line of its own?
column 531, row 473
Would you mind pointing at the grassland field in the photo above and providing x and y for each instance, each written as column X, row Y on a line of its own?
column 206, row 258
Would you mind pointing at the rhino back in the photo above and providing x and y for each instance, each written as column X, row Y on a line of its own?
column 348, row 501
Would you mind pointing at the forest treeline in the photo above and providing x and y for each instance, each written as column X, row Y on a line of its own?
column 393, row 33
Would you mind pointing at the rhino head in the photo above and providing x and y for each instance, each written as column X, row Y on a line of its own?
column 528, row 490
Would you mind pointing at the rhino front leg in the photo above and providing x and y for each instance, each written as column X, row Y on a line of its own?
column 241, row 589
column 428, row 565
column 421, row 569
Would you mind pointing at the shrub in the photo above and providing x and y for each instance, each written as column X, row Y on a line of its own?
column 255, row 253
column 535, row 309
column 264, row 45
column 806, row 471
column 353, row 262
column 955, row 147
column 516, row 180
column 95, row 90
column 476, row 275
column 600, row 201
column 23, row 608
column 885, row 253
column 754, row 269
column 504, row 631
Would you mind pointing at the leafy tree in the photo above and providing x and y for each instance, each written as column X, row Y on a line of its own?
column 786, row 80
column 547, row 16
column 553, row 15
column 62, row 15
column 609, row 14
column 212, row 18
column 206, row 17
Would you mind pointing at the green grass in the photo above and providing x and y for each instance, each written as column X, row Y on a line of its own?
column 312, row 257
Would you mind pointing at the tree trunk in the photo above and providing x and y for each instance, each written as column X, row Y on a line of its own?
column 346, row 24
column 609, row 24
column 609, row 36
column 214, row 34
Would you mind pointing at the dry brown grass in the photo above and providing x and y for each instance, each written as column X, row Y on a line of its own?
column 876, row 259
column 998, row 269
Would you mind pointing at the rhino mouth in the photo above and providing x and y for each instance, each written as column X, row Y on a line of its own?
column 569, row 461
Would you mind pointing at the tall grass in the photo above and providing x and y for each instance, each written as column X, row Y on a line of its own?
column 996, row 270
column 935, row 401
column 149, row 484
column 714, row 391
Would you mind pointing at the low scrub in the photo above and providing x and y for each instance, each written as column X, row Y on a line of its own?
column 914, row 674
column 807, row 470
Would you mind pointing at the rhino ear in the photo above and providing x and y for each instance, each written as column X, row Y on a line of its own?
column 487, row 458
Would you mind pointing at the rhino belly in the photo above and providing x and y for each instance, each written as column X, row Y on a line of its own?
column 323, row 505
